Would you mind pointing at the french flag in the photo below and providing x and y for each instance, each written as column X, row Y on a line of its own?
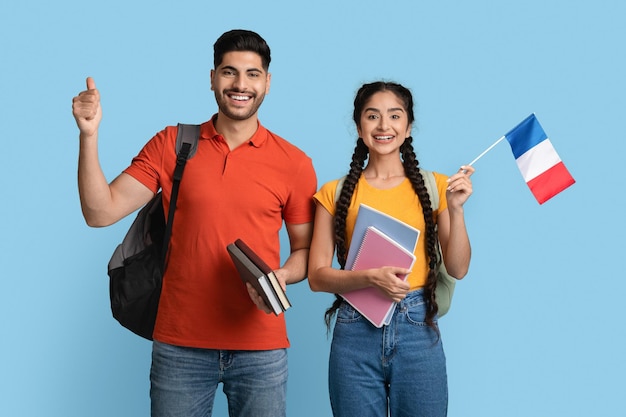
column 537, row 160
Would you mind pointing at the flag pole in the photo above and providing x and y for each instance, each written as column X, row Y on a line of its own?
column 486, row 150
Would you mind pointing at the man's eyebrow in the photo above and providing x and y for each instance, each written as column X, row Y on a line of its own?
column 232, row 68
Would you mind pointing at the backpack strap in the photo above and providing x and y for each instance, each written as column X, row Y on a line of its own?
column 339, row 187
column 445, row 282
column 186, row 146
column 431, row 187
column 433, row 192
column 188, row 134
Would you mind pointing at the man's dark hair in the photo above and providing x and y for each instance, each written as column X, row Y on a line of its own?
column 241, row 40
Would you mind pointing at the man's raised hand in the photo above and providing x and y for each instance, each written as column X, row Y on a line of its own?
column 86, row 109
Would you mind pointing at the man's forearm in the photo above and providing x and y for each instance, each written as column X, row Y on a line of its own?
column 295, row 267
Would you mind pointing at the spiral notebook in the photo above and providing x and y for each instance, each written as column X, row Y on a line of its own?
column 377, row 250
column 406, row 235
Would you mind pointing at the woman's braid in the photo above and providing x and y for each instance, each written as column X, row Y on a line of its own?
column 412, row 172
column 341, row 213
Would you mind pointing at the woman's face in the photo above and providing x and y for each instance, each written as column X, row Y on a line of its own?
column 384, row 123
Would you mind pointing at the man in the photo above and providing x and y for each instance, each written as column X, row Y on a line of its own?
column 241, row 183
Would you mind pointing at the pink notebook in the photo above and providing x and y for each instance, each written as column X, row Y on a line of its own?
column 377, row 250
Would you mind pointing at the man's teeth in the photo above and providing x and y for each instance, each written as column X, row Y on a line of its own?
column 242, row 98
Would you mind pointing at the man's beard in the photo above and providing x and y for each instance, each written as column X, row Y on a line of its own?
column 237, row 115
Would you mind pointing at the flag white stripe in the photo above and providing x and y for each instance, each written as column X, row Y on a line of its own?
column 537, row 160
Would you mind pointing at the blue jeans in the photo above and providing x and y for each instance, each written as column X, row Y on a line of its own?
column 397, row 370
column 183, row 381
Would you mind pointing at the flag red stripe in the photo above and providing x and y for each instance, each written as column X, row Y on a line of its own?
column 550, row 182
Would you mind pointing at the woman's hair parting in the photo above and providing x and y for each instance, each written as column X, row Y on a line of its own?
column 412, row 172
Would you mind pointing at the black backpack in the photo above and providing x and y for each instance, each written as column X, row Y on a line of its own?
column 138, row 263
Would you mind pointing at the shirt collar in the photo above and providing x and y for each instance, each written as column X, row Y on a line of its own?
column 207, row 131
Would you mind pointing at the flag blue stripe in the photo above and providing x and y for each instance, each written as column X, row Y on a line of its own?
column 525, row 136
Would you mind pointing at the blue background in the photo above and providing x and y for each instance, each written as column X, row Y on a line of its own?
column 536, row 327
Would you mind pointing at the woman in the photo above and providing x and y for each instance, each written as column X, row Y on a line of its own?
column 399, row 369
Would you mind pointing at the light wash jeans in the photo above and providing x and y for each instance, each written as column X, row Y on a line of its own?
column 183, row 381
column 397, row 370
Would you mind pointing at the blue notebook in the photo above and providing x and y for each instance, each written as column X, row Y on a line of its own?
column 397, row 230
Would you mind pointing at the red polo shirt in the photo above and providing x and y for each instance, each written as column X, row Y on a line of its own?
column 224, row 195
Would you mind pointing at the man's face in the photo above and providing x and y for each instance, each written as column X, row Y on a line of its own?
column 240, row 84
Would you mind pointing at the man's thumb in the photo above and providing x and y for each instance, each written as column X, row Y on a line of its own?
column 91, row 84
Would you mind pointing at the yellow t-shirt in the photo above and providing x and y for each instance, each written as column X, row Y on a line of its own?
column 400, row 202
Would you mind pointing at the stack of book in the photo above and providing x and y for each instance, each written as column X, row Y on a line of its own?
column 252, row 269
column 378, row 240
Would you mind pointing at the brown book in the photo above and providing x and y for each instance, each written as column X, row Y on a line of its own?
column 249, row 272
column 265, row 268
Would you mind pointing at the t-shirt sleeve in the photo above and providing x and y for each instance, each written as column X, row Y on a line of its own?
column 326, row 196
column 442, row 184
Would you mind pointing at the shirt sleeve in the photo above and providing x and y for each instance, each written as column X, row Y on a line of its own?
column 442, row 185
column 300, row 207
column 147, row 166
column 326, row 196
